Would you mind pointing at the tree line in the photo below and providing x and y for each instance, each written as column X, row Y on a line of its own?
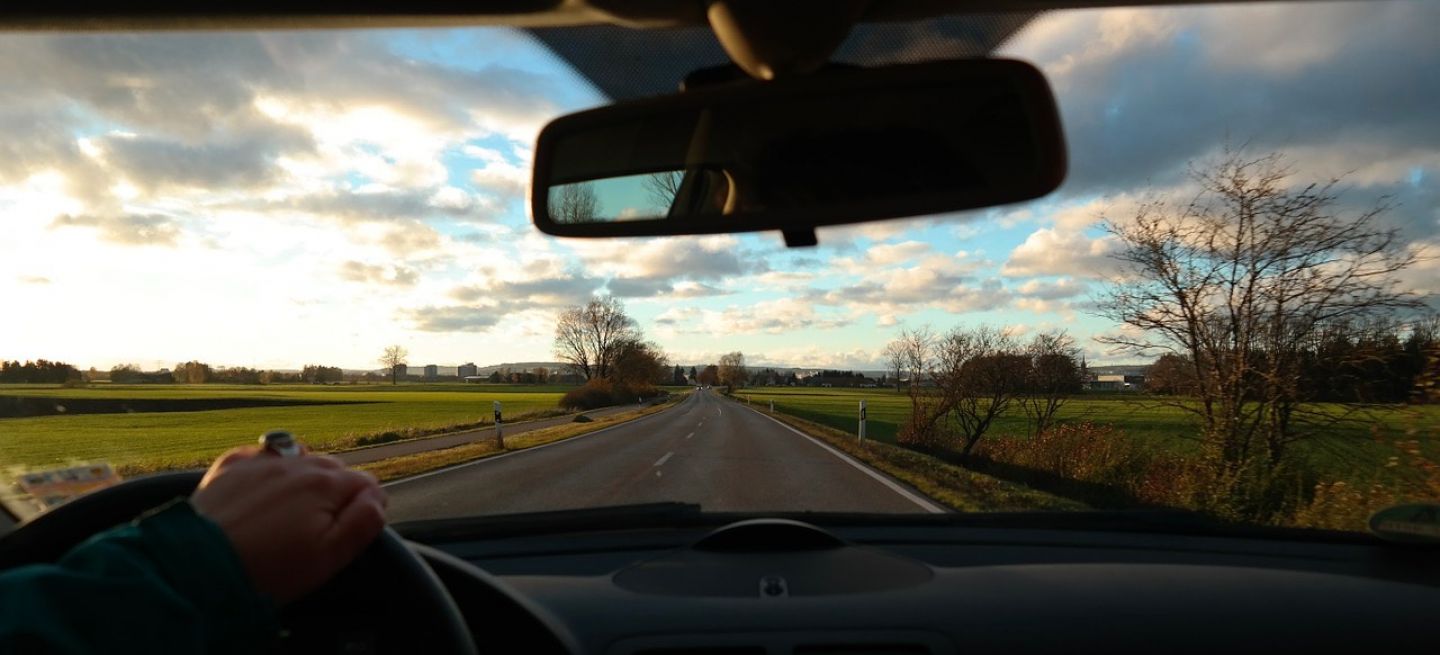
column 40, row 371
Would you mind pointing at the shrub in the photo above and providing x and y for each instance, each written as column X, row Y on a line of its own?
column 591, row 395
column 1116, row 469
column 603, row 393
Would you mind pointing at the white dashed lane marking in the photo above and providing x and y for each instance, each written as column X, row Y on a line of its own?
column 662, row 460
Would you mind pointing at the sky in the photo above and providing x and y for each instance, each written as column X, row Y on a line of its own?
column 286, row 198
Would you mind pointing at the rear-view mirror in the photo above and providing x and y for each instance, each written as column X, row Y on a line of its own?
column 838, row 146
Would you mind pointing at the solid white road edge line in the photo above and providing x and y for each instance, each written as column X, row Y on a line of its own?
column 531, row 449
column 895, row 487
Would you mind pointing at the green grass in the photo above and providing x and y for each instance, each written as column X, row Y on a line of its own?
column 1351, row 452
column 155, row 440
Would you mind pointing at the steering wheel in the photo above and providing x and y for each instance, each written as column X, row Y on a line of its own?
column 388, row 585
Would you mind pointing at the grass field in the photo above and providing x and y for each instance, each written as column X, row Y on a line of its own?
column 166, row 439
column 1343, row 453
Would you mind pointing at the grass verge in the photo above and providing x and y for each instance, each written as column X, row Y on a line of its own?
column 955, row 487
column 408, row 434
column 404, row 466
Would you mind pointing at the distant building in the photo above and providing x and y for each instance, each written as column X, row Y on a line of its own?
column 432, row 371
column 1118, row 382
column 401, row 370
column 467, row 370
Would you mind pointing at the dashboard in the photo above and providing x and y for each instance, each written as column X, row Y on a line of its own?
column 778, row 586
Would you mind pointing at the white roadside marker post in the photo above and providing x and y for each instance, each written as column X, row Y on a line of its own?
column 499, row 435
column 862, row 420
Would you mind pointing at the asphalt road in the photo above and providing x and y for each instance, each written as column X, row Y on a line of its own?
column 705, row 450
column 413, row 446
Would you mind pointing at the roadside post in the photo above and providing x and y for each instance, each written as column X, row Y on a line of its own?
column 772, row 405
column 862, row 420
column 499, row 435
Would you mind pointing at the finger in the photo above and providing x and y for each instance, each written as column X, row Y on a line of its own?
column 231, row 458
column 355, row 526
column 346, row 484
column 235, row 456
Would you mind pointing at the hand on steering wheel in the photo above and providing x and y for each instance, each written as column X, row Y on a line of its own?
column 294, row 521
column 297, row 523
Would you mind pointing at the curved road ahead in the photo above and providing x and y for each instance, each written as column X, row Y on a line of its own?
column 706, row 450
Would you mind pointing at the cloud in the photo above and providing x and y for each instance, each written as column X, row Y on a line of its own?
column 520, row 295
column 392, row 275
column 1050, row 251
column 357, row 206
column 498, row 175
column 883, row 254
column 676, row 316
column 33, row 279
column 1144, row 92
column 819, row 358
column 332, row 123
column 474, row 318
column 704, row 258
column 411, row 238
column 231, row 159
column 126, row 229
column 1052, row 290
column 780, row 316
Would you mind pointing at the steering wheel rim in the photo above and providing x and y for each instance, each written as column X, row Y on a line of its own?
column 48, row 536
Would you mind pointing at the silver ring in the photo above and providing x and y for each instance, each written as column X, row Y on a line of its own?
column 280, row 442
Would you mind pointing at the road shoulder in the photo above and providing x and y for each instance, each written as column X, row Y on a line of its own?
column 916, row 474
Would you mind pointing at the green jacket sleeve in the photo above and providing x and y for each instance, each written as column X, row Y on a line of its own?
column 168, row 583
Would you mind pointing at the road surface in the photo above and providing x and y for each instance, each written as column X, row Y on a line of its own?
column 705, row 450
column 413, row 446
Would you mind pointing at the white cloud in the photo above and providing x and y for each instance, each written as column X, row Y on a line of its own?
column 1051, row 251
column 498, row 175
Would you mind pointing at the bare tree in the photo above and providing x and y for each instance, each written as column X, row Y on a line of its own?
column 913, row 356
column 1171, row 375
column 1237, row 280
column 588, row 337
column 894, row 358
column 732, row 371
column 1052, row 376
column 393, row 359
column 709, row 376
column 979, row 372
column 639, row 364
column 662, row 189
column 574, row 203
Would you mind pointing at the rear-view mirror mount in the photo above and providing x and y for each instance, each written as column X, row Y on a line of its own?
column 843, row 145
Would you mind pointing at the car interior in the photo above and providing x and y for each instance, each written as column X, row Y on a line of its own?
column 713, row 90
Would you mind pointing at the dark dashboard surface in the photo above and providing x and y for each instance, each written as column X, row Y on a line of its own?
column 785, row 587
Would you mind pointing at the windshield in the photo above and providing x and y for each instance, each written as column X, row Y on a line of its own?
column 1225, row 309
